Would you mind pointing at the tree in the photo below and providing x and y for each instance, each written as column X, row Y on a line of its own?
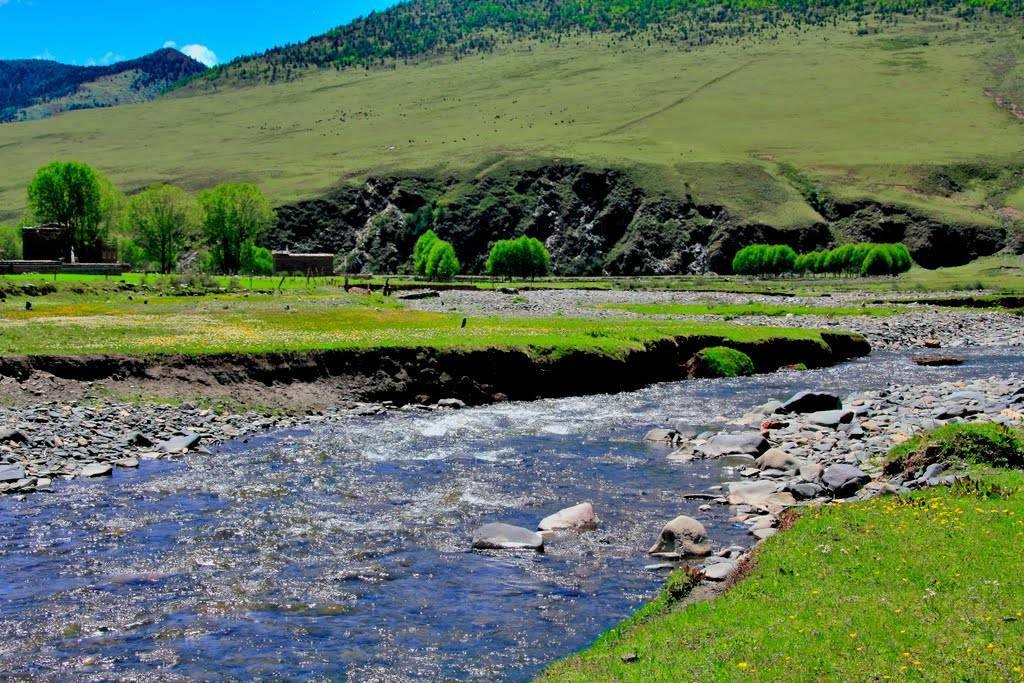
column 421, row 251
column 523, row 257
column 232, row 217
column 256, row 260
column 878, row 261
column 10, row 242
column 161, row 218
column 77, row 198
column 442, row 264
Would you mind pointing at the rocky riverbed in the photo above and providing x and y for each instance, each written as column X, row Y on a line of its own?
column 816, row 448
column 61, row 441
column 952, row 328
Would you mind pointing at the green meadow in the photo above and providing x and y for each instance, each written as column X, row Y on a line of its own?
column 915, row 588
column 125, row 323
column 873, row 115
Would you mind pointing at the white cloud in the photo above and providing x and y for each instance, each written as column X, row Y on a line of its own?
column 201, row 53
column 170, row 44
column 47, row 55
column 106, row 60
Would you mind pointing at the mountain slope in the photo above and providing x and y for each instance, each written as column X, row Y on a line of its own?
column 33, row 88
column 657, row 155
column 419, row 28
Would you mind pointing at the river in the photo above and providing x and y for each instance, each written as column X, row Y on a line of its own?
column 342, row 551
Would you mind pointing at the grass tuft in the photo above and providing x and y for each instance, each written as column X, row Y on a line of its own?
column 721, row 361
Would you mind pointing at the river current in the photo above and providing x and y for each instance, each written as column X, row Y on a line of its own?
column 342, row 552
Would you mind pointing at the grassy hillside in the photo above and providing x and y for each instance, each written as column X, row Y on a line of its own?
column 870, row 110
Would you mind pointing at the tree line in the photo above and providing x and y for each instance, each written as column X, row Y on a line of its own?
column 156, row 225
column 863, row 258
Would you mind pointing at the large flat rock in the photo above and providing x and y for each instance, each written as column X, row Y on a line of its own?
column 742, row 443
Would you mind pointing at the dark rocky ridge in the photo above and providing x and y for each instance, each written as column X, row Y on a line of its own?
column 594, row 222
column 424, row 374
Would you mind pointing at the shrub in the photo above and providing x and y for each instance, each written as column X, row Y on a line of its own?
column 256, row 260
column 421, row 251
column 131, row 253
column 10, row 242
column 982, row 443
column 441, row 262
column 524, row 257
column 720, row 361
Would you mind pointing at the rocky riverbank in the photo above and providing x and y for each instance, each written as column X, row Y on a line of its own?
column 909, row 329
column 816, row 449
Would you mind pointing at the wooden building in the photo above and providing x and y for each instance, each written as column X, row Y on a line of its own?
column 304, row 264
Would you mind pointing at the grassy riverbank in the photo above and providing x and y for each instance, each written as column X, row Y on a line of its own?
column 921, row 587
column 126, row 323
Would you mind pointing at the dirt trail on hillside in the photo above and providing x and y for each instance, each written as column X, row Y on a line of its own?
column 675, row 103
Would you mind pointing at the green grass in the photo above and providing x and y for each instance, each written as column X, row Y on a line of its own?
column 847, row 109
column 961, row 444
column 722, row 361
column 919, row 589
column 110, row 322
column 751, row 309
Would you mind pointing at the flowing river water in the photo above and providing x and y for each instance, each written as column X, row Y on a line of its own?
column 342, row 552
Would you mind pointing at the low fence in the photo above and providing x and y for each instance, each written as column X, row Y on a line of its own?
column 59, row 267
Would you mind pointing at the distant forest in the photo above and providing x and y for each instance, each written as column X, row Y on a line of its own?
column 460, row 27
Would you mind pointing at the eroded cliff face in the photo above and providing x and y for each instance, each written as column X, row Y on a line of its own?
column 593, row 221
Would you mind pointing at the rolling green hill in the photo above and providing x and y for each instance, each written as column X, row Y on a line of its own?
column 903, row 125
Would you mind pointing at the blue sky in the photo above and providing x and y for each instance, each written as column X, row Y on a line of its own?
column 81, row 32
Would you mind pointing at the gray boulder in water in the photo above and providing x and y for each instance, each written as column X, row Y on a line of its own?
column 579, row 518
column 684, row 536
column 499, row 536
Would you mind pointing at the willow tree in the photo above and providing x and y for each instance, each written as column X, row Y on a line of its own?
column 79, row 199
column 162, row 219
column 234, row 216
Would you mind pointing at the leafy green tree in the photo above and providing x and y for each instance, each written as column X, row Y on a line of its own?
column 129, row 252
column 878, row 261
column 902, row 262
column 162, row 220
column 10, row 242
column 750, row 260
column 538, row 259
column 523, row 257
column 79, row 199
column 232, row 217
column 256, row 260
column 442, row 263
column 421, row 251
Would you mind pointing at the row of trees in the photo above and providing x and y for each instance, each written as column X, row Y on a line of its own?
column 524, row 257
column 864, row 258
column 157, row 224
